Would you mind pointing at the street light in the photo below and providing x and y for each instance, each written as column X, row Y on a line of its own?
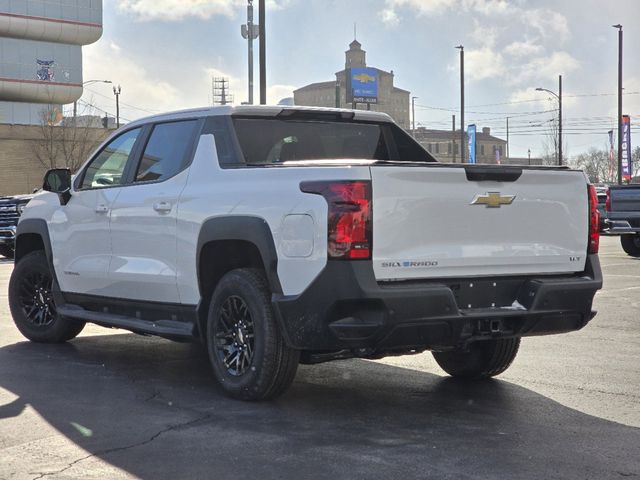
column 116, row 92
column 559, row 98
column 462, row 132
column 88, row 82
column 413, row 115
column 619, row 27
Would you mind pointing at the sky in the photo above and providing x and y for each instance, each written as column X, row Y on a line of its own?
column 164, row 53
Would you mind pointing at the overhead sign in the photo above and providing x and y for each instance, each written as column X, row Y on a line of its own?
column 626, row 148
column 363, row 85
column 471, row 136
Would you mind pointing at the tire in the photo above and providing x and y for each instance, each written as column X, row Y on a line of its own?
column 247, row 351
column 631, row 244
column 482, row 359
column 32, row 305
column 7, row 251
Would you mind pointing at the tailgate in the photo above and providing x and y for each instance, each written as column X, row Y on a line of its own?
column 435, row 222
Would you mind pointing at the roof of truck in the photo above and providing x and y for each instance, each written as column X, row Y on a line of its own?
column 258, row 110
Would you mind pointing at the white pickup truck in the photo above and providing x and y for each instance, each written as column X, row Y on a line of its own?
column 284, row 235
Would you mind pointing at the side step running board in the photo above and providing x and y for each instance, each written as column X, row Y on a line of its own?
column 162, row 328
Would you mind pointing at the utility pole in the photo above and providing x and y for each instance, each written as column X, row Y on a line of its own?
column 250, row 32
column 413, row 115
column 529, row 153
column 560, row 119
column 453, row 136
column 507, row 152
column 462, row 132
column 263, row 52
column 116, row 91
column 337, row 94
column 619, row 27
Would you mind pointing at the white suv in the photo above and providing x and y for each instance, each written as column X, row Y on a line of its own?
column 278, row 235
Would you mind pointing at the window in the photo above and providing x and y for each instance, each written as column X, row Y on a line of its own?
column 449, row 148
column 107, row 168
column 437, row 148
column 482, row 150
column 219, row 128
column 166, row 151
column 277, row 141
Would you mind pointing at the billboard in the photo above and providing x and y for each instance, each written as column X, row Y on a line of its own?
column 471, row 136
column 626, row 148
column 362, row 85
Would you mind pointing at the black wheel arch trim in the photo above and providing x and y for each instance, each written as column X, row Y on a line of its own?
column 38, row 227
column 250, row 229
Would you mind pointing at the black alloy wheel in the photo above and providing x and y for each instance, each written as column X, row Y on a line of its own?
column 33, row 305
column 36, row 299
column 235, row 336
column 247, row 351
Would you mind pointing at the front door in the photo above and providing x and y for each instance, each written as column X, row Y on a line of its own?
column 80, row 230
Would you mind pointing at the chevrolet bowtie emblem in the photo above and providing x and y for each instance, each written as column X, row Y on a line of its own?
column 493, row 200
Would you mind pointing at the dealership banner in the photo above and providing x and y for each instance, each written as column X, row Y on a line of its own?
column 471, row 136
column 362, row 85
column 627, row 172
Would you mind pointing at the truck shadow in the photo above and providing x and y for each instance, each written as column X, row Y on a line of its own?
column 150, row 408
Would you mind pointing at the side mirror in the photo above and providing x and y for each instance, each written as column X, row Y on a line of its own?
column 58, row 180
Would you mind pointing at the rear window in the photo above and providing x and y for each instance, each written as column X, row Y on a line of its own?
column 269, row 141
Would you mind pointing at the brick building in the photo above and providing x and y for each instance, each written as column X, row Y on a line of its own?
column 391, row 100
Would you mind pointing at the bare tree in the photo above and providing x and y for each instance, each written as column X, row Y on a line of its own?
column 551, row 144
column 64, row 142
column 595, row 164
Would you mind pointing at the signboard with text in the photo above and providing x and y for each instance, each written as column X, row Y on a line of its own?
column 362, row 85
column 471, row 136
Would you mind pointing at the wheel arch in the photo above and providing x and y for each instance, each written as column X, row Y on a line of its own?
column 227, row 243
column 33, row 234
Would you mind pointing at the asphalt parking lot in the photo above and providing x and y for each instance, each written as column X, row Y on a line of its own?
column 115, row 405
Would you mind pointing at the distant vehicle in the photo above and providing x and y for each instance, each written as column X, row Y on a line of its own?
column 623, row 216
column 280, row 235
column 10, row 210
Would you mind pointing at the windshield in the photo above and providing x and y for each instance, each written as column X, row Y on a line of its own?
column 268, row 141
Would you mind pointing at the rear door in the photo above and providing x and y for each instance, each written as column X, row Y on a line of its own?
column 439, row 221
column 143, row 218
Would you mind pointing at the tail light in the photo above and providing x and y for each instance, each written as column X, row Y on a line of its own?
column 607, row 205
column 349, row 217
column 594, row 221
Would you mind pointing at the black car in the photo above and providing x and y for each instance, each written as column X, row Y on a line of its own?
column 10, row 210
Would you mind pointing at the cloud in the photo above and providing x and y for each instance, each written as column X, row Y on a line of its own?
column 389, row 17
column 547, row 23
column 176, row 10
column 483, row 63
column 523, row 49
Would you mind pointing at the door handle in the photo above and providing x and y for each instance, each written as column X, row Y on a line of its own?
column 162, row 207
column 102, row 209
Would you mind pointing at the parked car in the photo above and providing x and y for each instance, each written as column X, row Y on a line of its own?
column 10, row 210
column 279, row 235
column 623, row 216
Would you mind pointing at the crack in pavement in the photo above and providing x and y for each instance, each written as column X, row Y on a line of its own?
column 128, row 447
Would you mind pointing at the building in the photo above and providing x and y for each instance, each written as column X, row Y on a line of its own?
column 445, row 145
column 379, row 92
column 41, row 55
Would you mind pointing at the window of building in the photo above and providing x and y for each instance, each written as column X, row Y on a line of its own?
column 482, row 150
column 500, row 150
column 437, row 148
column 449, row 148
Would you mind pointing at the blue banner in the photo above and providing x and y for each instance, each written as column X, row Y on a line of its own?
column 627, row 169
column 363, row 85
column 471, row 136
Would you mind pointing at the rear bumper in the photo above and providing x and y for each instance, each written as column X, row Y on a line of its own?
column 621, row 223
column 345, row 308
